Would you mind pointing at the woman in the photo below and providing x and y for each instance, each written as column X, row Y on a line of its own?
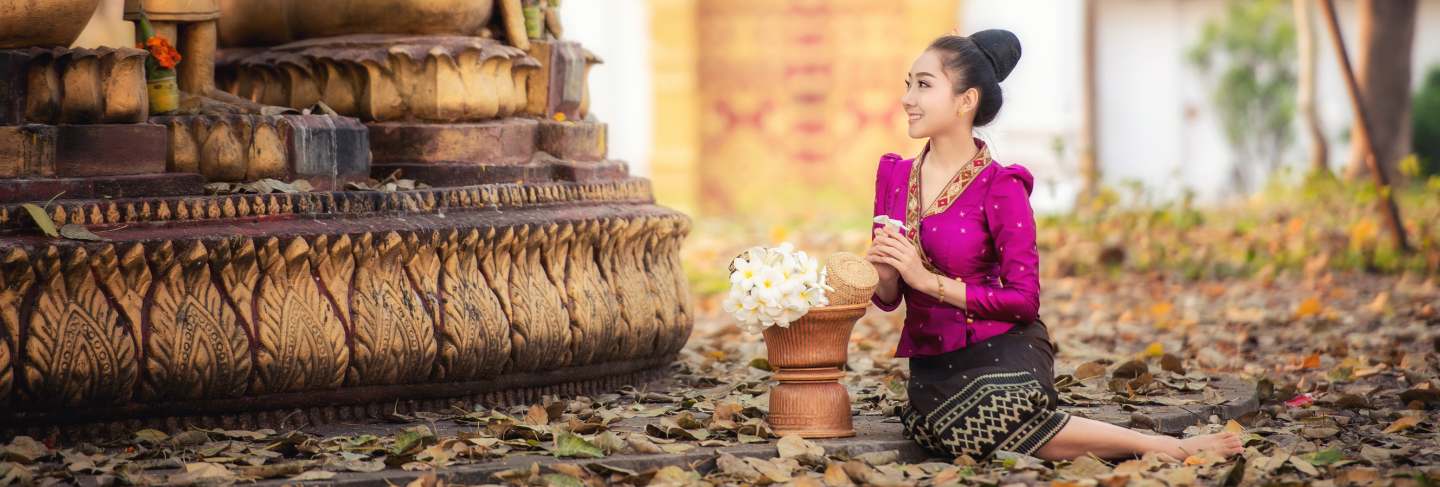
column 981, row 362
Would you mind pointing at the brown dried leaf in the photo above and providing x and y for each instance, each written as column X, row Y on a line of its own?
column 25, row 450
column 641, row 444
column 1173, row 364
column 1089, row 369
column 537, row 416
column 1402, row 424
column 313, row 475
column 835, row 476
column 806, row 451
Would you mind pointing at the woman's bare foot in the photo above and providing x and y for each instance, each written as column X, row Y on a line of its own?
column 1224, row 444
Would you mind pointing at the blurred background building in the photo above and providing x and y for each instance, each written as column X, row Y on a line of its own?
column 731, row 105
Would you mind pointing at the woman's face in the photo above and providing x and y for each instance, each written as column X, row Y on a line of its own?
column 930, row 101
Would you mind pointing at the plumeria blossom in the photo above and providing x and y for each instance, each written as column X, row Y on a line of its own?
column 774, row 286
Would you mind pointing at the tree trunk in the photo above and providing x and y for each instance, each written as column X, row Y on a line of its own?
column 1089, row 117
column 1363, row 129
column 1387, row 37
column 1305, row 37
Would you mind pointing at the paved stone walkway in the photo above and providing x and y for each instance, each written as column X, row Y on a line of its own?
column 873, row 434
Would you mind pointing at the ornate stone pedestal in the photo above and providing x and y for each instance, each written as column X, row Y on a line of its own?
column 439, row 107
column 201, row 308
column 533, row 266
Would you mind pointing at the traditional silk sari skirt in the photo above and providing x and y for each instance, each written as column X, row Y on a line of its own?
column 998, row 394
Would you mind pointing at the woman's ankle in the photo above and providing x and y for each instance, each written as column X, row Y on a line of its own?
column 1168, row 445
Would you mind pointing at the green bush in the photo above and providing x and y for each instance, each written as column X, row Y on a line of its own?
column 1426, row 112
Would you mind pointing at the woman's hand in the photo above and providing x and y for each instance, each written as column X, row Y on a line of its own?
column 891, row 249
column 873, row 256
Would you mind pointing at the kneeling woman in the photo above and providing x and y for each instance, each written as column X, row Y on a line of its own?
column 966, row 264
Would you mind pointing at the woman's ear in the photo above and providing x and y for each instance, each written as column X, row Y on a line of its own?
column 970, row 100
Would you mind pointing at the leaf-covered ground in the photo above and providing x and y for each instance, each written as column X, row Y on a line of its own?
column 1301, row 297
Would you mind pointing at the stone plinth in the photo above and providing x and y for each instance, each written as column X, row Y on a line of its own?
column 44, row 189
column 504, row 142
column 504, row 151
column 561, row 86
column 386, row 77
column 72, row 86
column 72, row 125
column 324, row 150
column 203, row 308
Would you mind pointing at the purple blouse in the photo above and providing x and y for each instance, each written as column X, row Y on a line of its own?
column 985, row 238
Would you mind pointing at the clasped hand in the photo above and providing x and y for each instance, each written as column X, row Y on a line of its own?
column 895, row 256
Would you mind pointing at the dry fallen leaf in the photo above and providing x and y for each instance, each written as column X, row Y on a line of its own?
column 1235, row 427
column 79, row 232
column 1307, row 308
column 41, row 219
column 1403, row 423
column 806, row 451
column 537, row 416
column 835, row 475
column 312, row 476
column 1088, row 370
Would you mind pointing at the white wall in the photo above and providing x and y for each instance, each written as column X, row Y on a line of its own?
column 1042, row 96
column 620, row 91
column 1156, row 124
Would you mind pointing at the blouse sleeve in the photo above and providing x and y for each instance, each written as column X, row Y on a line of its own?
column 882, row 185
column 1011, row 223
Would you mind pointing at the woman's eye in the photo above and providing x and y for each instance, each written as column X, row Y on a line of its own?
column 924, row 84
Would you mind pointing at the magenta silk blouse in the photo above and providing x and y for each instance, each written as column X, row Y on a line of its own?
column 985, row 238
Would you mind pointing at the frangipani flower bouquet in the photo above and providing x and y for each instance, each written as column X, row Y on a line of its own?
column 774, row 286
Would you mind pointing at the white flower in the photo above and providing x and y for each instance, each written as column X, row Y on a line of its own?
column 774, row 287
column 747, row 272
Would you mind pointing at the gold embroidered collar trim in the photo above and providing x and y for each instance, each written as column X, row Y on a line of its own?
column 947, row 196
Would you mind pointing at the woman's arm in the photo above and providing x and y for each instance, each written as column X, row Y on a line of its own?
column 891, row 290
column 1012, row 226
column 887, row 294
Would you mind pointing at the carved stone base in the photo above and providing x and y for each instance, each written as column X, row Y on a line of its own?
column 72, row 86
column 290, row 411
column 540, row 170
column 348, row 297
column 81, row 150
column 326, row 151
column 385, row 77
column 505, row 142
column 575, row 141
column 561, row 84
column 41, row 162
column 43, row 189
column 504, row 151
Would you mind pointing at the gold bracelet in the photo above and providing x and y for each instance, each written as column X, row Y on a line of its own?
column 940, row 282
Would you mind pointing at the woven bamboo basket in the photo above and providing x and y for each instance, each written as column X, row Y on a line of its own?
column 852, row 278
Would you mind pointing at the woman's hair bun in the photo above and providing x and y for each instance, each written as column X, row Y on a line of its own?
column 1001, row 47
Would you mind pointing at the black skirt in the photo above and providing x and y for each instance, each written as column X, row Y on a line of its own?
column 998, row 394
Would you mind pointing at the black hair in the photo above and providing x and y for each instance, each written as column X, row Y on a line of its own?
column 981, row 60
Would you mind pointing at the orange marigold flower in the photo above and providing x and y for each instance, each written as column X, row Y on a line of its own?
column 165, row 54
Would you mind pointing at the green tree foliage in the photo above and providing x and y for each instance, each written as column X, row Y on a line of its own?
column 1426, row 111
column 1250, row 56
